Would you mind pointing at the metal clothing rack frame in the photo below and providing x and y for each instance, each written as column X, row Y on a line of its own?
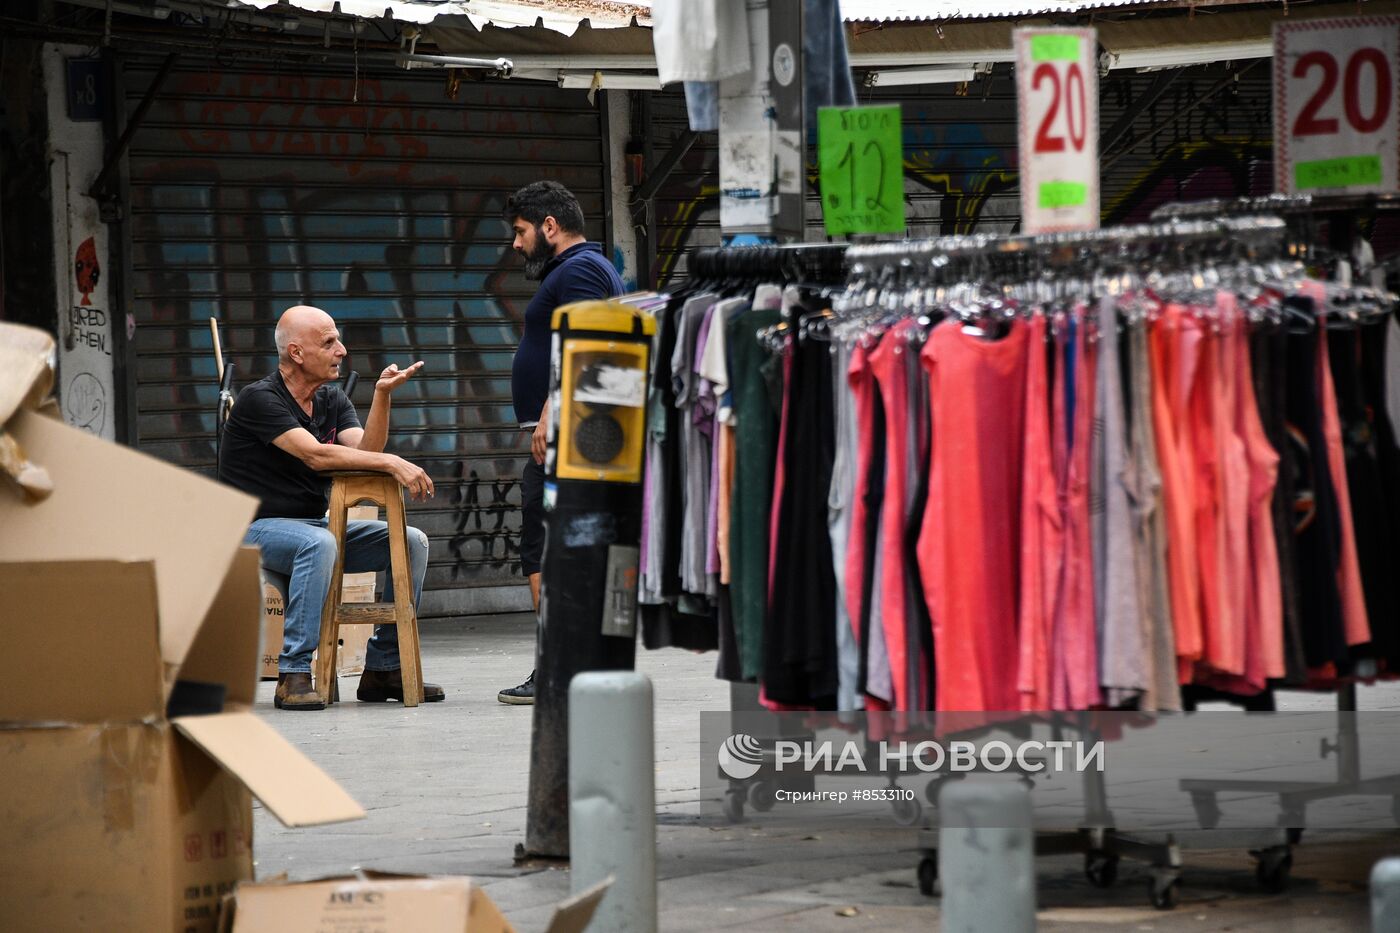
column 1300, row 212
column 1258, row 228
column 1270, row 219
column 818, row 263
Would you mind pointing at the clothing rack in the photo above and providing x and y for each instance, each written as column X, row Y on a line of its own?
column 1257, row 229
column 1300, row 211
column 1282, row 205
column 1277, row 224
column 817, row 263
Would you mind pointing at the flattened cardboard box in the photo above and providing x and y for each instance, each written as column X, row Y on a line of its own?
column 387, row 904
column 131, row 577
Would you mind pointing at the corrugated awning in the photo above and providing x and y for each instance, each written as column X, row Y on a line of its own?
column 565, row 16
column 544, row 38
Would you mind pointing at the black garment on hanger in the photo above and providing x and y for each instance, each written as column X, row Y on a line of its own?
column 1373, row 388
column 1374, row 545
column 799, row 637
column 921, row 668
column 1192, row 695
column 672, row 469
column 1268, row 352
column 1316, row 523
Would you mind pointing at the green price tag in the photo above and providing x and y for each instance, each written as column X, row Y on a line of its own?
column 1062, row 194
column 1338, row 173
column 861, row 155
column 1054, row 47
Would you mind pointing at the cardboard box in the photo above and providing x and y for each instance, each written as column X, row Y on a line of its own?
column 355, row 588
column 272, row 631
column 387, row 904
column 130, row 752
column 354, row 639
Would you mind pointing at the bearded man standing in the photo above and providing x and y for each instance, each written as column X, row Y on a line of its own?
column 547, row 223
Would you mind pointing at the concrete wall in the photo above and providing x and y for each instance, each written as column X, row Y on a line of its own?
column 623, row 233
column 82, row 260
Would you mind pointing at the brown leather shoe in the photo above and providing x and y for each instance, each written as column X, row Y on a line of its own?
column 294, row 692
column 382, row 686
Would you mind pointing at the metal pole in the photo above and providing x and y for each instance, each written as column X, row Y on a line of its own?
column 612, row 796
column 761, row 139
column 588, row 581
column 1385, row 896
column 986, row 858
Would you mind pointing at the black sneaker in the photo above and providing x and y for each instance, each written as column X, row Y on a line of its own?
column 523, row 695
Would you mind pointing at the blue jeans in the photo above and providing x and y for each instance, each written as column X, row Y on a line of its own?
column 302, row 549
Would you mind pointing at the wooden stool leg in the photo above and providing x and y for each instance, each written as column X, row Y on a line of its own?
column 407, row 619
column 325, row 654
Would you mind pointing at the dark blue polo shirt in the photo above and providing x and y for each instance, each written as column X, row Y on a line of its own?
column 580, row 273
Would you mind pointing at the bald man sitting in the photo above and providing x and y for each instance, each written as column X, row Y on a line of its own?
column 284, row 431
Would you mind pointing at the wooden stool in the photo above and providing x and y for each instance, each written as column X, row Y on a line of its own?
column 350, row 489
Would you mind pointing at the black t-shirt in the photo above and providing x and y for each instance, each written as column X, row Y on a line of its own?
column 248, row 460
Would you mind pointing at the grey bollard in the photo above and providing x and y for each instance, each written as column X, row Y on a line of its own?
column 986, row 858
column 612, row 796
column 1385, row 896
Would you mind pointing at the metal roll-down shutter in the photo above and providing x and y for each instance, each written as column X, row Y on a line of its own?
column 254, row 187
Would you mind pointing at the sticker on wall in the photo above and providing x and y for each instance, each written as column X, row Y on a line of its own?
column 85, row 403
column 87, row 270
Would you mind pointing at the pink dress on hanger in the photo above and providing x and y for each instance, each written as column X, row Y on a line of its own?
column 1260, row 592
column 1233, row 488
column 1075, row 665
column 862, row 382
column 1265, row 607
column 1171, row 388
column 1041, row 530
column 968, row 544
column 887, row 365
column 1358, row 626
column 1205, row 455
column 859, row 378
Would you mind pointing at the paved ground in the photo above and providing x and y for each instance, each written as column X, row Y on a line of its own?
column 445, row 787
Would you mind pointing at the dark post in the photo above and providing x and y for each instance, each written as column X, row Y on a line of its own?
column 593, row 524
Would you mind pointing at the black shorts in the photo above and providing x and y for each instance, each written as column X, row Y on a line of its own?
column 531, row 517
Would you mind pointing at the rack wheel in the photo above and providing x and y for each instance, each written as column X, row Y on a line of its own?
column 734, row 806
column 1101, row 869
column 1274, row 868
column 1164, row 889
column 763, row 795
column 1207, row 810
column 907, row 811
column 928, row 875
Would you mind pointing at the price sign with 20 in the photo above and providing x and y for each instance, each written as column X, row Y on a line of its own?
column 1058, row 107
column 1337, row 105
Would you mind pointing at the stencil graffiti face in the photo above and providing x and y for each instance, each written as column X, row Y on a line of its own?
column 86, row 269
